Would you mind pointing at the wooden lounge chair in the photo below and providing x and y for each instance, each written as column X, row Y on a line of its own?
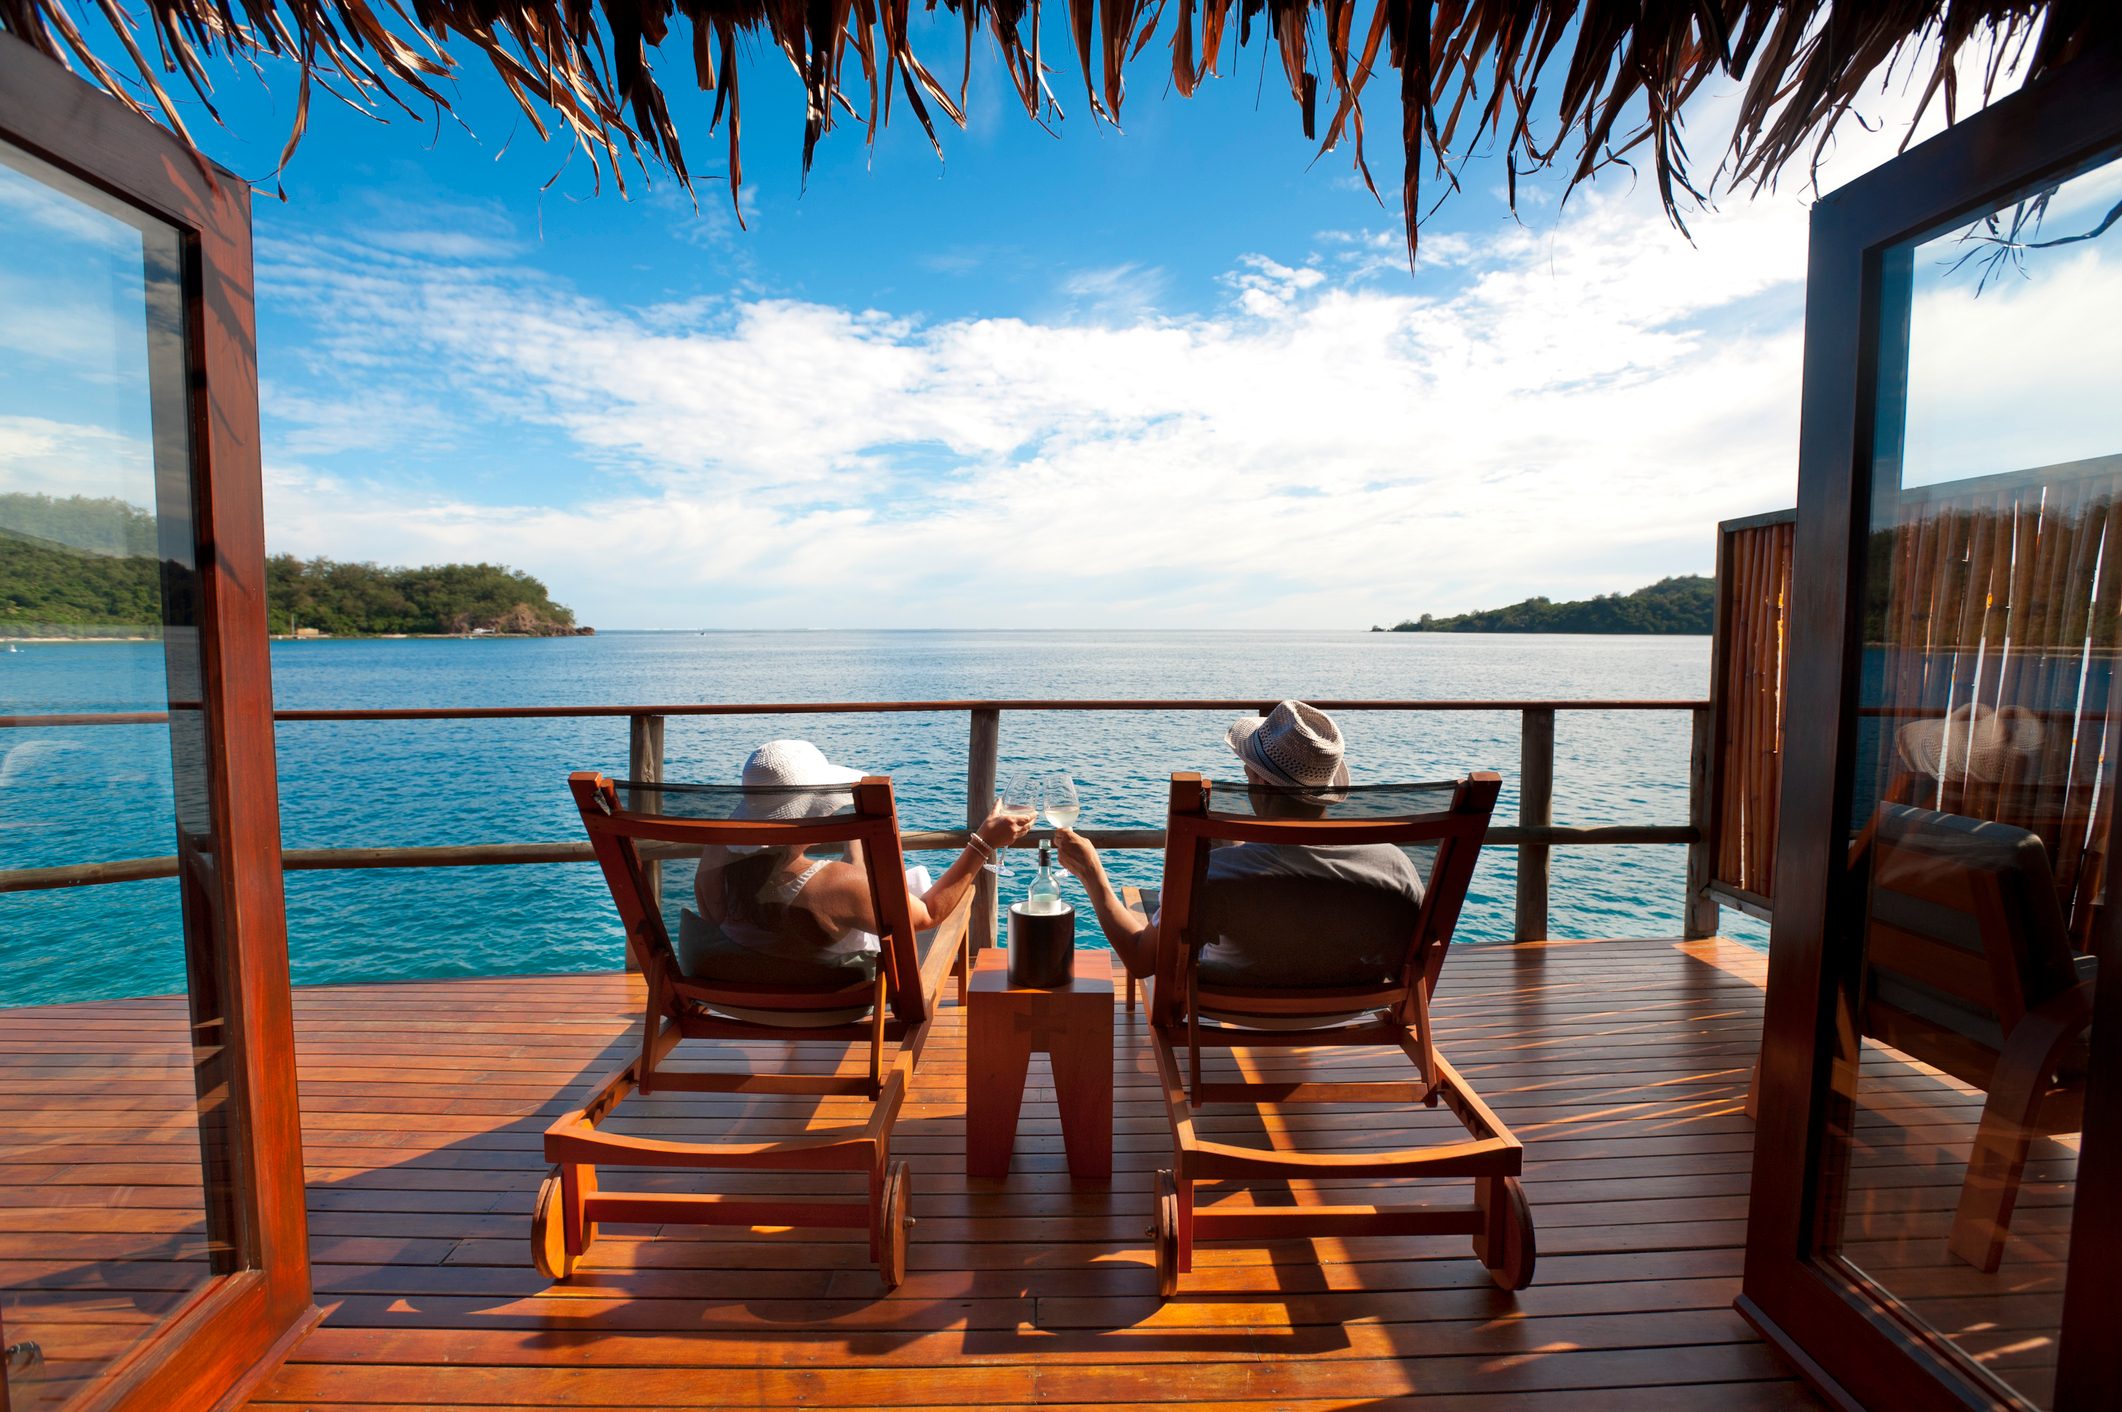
column 887, row 1005
column 1968, row 967
column 1374, row 994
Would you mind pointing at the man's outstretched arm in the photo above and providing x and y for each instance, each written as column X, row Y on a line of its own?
column 1133, row 936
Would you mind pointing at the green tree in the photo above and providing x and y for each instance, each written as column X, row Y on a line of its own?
column 90, row 564
column 1686, row 604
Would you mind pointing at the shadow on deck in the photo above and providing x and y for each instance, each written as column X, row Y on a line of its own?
column 1621, row 1064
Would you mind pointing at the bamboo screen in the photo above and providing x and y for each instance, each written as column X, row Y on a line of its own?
column 1992, row 632
column 1751, row 657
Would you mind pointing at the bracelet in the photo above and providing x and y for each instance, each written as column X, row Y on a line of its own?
column 981, row 846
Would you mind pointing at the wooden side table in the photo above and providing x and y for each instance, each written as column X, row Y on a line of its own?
column 1073, row 1026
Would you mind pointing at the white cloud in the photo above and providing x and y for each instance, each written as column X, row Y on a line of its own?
column 2013, row 351
column 1117, row 293
column 2023, row 376
column 1567, row 410
column 41, row 456
column 1314, row 451
column 61, row 206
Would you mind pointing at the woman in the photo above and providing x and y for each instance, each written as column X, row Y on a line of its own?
column 777, row 915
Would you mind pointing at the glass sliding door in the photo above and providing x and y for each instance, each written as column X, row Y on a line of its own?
column 151, row 1235
column 112, row 1164
column 1943, row 922
column 1983, row 816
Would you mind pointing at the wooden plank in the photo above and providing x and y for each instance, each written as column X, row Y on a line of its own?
column 1771, row 1395
column 1778, row 706
column 1242, row 1374
column 1744, row 683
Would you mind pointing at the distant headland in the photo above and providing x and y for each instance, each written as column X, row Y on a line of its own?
column 1674, row 606
column 81, row 567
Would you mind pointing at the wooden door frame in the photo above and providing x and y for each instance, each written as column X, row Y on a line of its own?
column 1839, row 1330
column 238, row 1323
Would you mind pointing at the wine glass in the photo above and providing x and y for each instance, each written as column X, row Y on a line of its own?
column 1058, row 799
column 1019, row 798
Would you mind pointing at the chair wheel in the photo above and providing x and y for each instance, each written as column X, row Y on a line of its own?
column 1165, row 1233
column 1511, row 1267
column 897, row 1219
column 548, row 1232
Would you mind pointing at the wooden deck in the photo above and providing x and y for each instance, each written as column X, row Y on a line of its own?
column 1622, row 1065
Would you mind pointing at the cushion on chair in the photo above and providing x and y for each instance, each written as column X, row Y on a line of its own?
column 1306, row 918
column 1913, row 840
column 706, row 953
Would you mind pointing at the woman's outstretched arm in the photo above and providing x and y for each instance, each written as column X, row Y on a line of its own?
column 840, row 895
column 997, row 831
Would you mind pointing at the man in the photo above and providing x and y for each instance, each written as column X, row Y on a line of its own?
column 1272, row 914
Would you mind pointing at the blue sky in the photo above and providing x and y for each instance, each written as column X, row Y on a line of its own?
column 1176, row 376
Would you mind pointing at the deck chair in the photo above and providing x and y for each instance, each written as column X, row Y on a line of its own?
column 885, row 1000
column 1317, row 978
column 1968, row 967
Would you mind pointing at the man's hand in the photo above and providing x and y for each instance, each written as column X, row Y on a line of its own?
column 1078, row 855
column 1134, row 936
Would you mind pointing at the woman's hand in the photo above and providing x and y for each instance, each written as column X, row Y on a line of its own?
column 1077, row 854
column 1000, row 830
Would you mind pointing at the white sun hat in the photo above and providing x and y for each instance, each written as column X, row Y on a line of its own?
column 1975, row 743
column 794, row 766
column 1295, row 746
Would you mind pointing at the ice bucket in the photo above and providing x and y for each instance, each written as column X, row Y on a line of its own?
column 1042, row 948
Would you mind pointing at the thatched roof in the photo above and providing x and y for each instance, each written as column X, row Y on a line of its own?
column 1555, row 83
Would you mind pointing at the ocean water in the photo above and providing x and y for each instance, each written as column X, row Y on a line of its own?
column 81, row 794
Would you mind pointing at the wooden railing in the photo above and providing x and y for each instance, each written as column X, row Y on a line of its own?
column 1534, row 835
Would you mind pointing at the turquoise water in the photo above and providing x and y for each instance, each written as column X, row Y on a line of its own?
column 79, row 794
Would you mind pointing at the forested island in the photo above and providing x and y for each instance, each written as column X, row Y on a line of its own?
column 1683, row 605
column 79, row 567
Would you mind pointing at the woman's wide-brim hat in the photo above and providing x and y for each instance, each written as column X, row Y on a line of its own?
column 1974, row 743
column 795, row 781
column 1294, row 746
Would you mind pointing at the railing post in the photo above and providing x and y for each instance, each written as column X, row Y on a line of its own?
column 1536, row 810
column 1702, row 917
column 982, row 755
column 644, row 762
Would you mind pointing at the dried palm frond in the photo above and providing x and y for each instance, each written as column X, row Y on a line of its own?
column 1611, row 77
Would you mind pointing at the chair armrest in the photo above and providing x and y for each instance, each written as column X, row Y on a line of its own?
column 1143, row 900
column 2036, row 1045
column 938, row 946
column 2070, row 1009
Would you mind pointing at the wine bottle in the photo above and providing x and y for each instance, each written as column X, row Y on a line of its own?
column 1046, row 889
